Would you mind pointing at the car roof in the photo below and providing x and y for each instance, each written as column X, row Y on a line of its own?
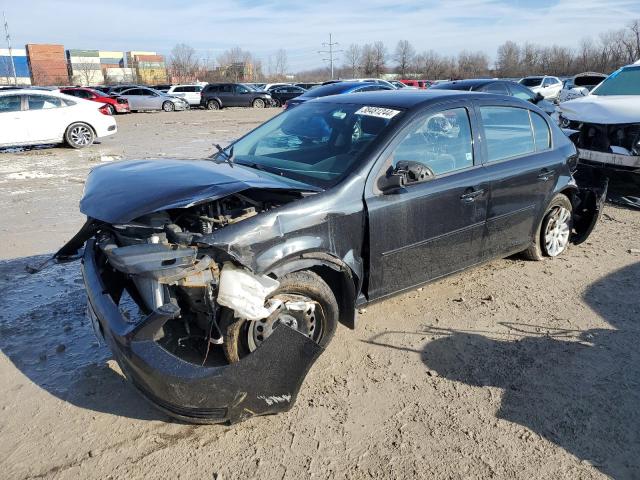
column 465, row 84
column 409, row 99
column 30, row 91
column 338, row 87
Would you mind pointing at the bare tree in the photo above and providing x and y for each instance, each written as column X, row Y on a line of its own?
column 508, row 60
column 184, row 64
column 235, row 64
column 379, row 58
column 472, row 64
column 86, row 74
column 281, row 64
column 404, row 56
column 367, row 60
column 352, row 57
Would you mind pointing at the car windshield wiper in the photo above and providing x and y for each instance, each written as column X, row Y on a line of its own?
column 228, row 157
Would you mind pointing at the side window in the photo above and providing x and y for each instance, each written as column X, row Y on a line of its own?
column 541, row 132
column 441, row 141
column 241, row 89
column 180, row 89
column 521, row 92
column 226, row 88
column 495, row 87
column 10, row 103
column 197, row 88
column 213, row 88
column 42, row 102
column 507, row 132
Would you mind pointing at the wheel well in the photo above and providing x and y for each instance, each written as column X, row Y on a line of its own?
column 570, row 193
column 342, row 284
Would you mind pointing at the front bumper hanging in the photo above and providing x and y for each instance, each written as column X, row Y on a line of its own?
column 267, row 381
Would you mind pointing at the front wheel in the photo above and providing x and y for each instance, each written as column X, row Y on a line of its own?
column 258, row 103
column 168, row 106
column 79, row 135
column 554, row 232
column 308, row 306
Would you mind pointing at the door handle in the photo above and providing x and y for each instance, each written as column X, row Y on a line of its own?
column 545, row 174
column 471, row 196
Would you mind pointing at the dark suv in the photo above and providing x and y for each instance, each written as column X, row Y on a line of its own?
column 219, row 95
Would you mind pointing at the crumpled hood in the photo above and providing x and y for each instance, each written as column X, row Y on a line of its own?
column 122, row 191
column 606, row 110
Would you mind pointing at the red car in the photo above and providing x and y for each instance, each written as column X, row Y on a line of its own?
column 114, row 104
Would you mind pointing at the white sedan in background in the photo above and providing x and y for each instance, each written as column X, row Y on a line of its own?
column 36, row 117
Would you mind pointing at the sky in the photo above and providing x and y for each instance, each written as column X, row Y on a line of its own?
column 300, row 27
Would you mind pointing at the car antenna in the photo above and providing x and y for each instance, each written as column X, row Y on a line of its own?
column 228, row 156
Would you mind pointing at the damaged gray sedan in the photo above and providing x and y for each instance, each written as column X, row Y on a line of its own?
column 218, row 282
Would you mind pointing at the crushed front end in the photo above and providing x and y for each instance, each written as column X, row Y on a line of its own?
column 153, row 296
column 614, row 146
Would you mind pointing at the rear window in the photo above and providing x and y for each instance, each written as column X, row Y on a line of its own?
column 507, row 132
column 531, row 82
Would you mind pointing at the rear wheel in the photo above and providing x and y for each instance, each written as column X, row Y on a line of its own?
column 554, row 232
column 213, row 105
column 168, row 106
column 79, row 135
column 111, row 109
column 258, row 103
column 308, row 306
column 277, row 103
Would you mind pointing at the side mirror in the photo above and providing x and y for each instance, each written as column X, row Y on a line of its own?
column 406, row 172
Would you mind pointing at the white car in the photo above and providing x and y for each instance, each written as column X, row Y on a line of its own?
column 605, row 125
column 191, row 93
column 36, row 117
column 269, row 86
column 548, row 87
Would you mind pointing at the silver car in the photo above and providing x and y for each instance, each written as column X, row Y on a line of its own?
column 144, row 98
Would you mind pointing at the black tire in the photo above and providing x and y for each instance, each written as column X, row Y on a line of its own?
column 213, row 105
column 111, row 109
column 538, row 249
column 259, row 103
column 168, row 106
column 276, row 103
column 303, row 283
column 79, row 135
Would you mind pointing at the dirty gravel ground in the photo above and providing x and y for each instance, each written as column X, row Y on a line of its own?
column 515, row 369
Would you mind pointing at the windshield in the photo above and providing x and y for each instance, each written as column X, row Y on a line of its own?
column 625, row 81
column 315, row 143
column 531, row 82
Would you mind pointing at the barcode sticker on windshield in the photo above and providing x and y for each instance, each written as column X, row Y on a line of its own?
column 378, row 112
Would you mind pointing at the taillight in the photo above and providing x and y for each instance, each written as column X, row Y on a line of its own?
column 104, row 109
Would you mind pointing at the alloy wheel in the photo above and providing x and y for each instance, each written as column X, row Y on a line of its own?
column 557, row 232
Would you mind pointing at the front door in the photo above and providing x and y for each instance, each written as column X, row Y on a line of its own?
column 522, row 171
column 433, row 227
column 13, row 125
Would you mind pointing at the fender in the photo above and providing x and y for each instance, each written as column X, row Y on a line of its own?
column 341, row 277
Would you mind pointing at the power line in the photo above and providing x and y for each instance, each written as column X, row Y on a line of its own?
column 8, row 38
column 330, row 52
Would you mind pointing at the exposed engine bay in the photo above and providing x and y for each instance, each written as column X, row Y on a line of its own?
column 160, row 260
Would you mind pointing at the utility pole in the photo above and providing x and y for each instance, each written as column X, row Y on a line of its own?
column 330, row 52
column 8, row 37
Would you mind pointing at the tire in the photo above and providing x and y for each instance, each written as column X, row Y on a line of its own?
column 276, row 103
column 79, row 135
column 259, row 103
column 213, row 105
column 320, row 326
column 112, row 109
column 168, row 106
column 554, row 231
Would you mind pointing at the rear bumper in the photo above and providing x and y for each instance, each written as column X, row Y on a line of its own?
column 105, row 126
column 267, row 381
column 122, row 107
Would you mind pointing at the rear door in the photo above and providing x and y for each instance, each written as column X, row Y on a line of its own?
column 522, row 170
column 226, row 95
column 13, row 123
column 434, row 227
